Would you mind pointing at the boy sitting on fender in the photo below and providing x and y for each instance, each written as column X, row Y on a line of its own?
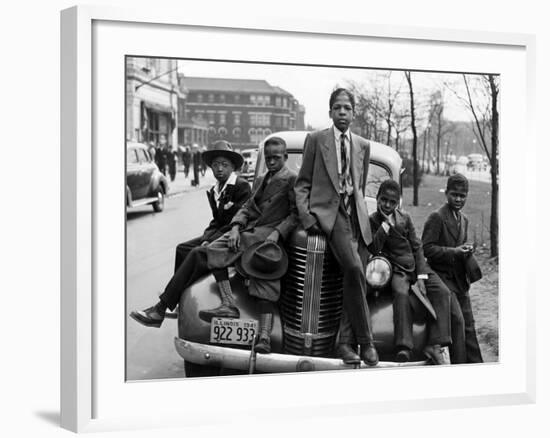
column 268, row 215
column 394, row 237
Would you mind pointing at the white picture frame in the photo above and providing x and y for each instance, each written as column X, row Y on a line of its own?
column 87, row 379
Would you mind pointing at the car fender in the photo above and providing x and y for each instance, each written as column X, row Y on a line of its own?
column 128, row 196
column 204, row 295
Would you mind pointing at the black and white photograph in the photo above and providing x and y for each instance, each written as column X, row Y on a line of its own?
column 285, row 218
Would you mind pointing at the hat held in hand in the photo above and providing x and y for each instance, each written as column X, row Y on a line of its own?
column 264, row 260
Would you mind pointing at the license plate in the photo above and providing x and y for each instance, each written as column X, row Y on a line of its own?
column 233, row 331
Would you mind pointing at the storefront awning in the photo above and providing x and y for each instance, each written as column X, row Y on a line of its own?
column 158, row 107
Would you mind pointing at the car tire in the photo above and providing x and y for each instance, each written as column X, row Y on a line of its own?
column 158, row 206
column 196, row 370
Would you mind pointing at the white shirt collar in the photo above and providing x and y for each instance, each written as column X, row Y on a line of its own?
column 338, row 133
column 230, row 182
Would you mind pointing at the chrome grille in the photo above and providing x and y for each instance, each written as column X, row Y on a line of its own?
column 311, row 300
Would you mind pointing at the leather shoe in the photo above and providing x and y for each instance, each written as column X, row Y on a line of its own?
column 263, row 345
column 223, row 311
column 150, row 317
column 348, row 355
column 369, row 354
column 437, row 354
column 403, row 355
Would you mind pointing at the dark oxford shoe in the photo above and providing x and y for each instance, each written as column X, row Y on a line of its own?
column 437, row 354
column 223, row 311
column 150, row 317
column 369, row 354
column 263, row 346
column 403, row 355
column 348, row 355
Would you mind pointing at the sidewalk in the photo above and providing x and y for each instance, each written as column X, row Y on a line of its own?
column 182, row 185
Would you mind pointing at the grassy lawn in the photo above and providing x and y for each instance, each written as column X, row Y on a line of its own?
column 484, row 293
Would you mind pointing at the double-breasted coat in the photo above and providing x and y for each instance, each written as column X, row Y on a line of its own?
column 442, row 234
column 272, row 206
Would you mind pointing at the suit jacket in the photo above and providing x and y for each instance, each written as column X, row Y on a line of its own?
column 317, row 187
column 268, row 209
column 401, row 245
column 231, row 200
column 441, row 235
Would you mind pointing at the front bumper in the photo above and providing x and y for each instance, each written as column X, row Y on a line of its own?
column 233, row 358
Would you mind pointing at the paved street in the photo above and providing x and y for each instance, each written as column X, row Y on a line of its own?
column 151, row 241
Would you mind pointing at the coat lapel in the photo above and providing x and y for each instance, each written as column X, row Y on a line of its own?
column 274, row 186
column 211, row 200
column 450, row 223
column 328, row 150
column 356, row 164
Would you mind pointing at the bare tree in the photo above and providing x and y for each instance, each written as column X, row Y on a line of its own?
column 415, row 140
column 487, row 118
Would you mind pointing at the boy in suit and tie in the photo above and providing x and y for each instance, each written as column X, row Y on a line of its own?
column 394, row 237
column 330, row 193
column 225, row 197
column 444, row 239
column 268, row 215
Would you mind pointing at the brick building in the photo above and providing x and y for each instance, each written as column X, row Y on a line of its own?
column 241, row 111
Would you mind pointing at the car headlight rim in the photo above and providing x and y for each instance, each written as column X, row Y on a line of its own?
column 378, row 272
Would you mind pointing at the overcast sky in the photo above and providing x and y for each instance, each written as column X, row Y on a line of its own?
column 312, row 85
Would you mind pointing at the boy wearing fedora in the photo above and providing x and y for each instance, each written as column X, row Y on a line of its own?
column 225, row 197
column 268, row 215
column 444, row 240
column 395, row 238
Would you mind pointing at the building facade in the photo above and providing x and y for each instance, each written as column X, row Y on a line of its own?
column 241, row 111
column 152, row 97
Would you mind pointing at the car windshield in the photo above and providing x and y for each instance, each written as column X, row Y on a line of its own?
column 377, row 172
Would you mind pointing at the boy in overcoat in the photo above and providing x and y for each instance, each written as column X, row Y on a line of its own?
column 268, row 215
column 444, row 240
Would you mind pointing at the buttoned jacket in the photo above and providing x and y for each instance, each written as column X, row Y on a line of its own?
column 318, row 188
column 231, row 200
column 400, row 245
column 442, row 234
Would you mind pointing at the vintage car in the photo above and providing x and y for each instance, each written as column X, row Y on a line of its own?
column 250, row 158
column 145, row 184
column 310, row 308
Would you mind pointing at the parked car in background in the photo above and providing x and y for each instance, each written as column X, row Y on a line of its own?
column 476, row 162
column 249, row 166
column 310, row 308
column 145, row 184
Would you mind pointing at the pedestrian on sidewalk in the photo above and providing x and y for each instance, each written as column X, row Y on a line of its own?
column 196, row 159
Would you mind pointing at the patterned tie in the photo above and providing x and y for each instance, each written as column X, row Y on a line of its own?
column 344, row 173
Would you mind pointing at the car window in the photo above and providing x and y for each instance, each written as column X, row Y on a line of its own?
column 142, row 156
column 131, row 156
column 377, row 174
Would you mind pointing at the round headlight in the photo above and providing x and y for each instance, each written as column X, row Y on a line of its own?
column 378, row 272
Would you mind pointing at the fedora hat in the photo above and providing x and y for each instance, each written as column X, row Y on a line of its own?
column 264, row 260
column 222, row 148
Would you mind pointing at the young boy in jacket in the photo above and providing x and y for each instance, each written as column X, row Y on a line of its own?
column 394, row 237
column 444, row 241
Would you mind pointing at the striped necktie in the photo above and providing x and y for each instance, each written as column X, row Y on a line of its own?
column 344, row 173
